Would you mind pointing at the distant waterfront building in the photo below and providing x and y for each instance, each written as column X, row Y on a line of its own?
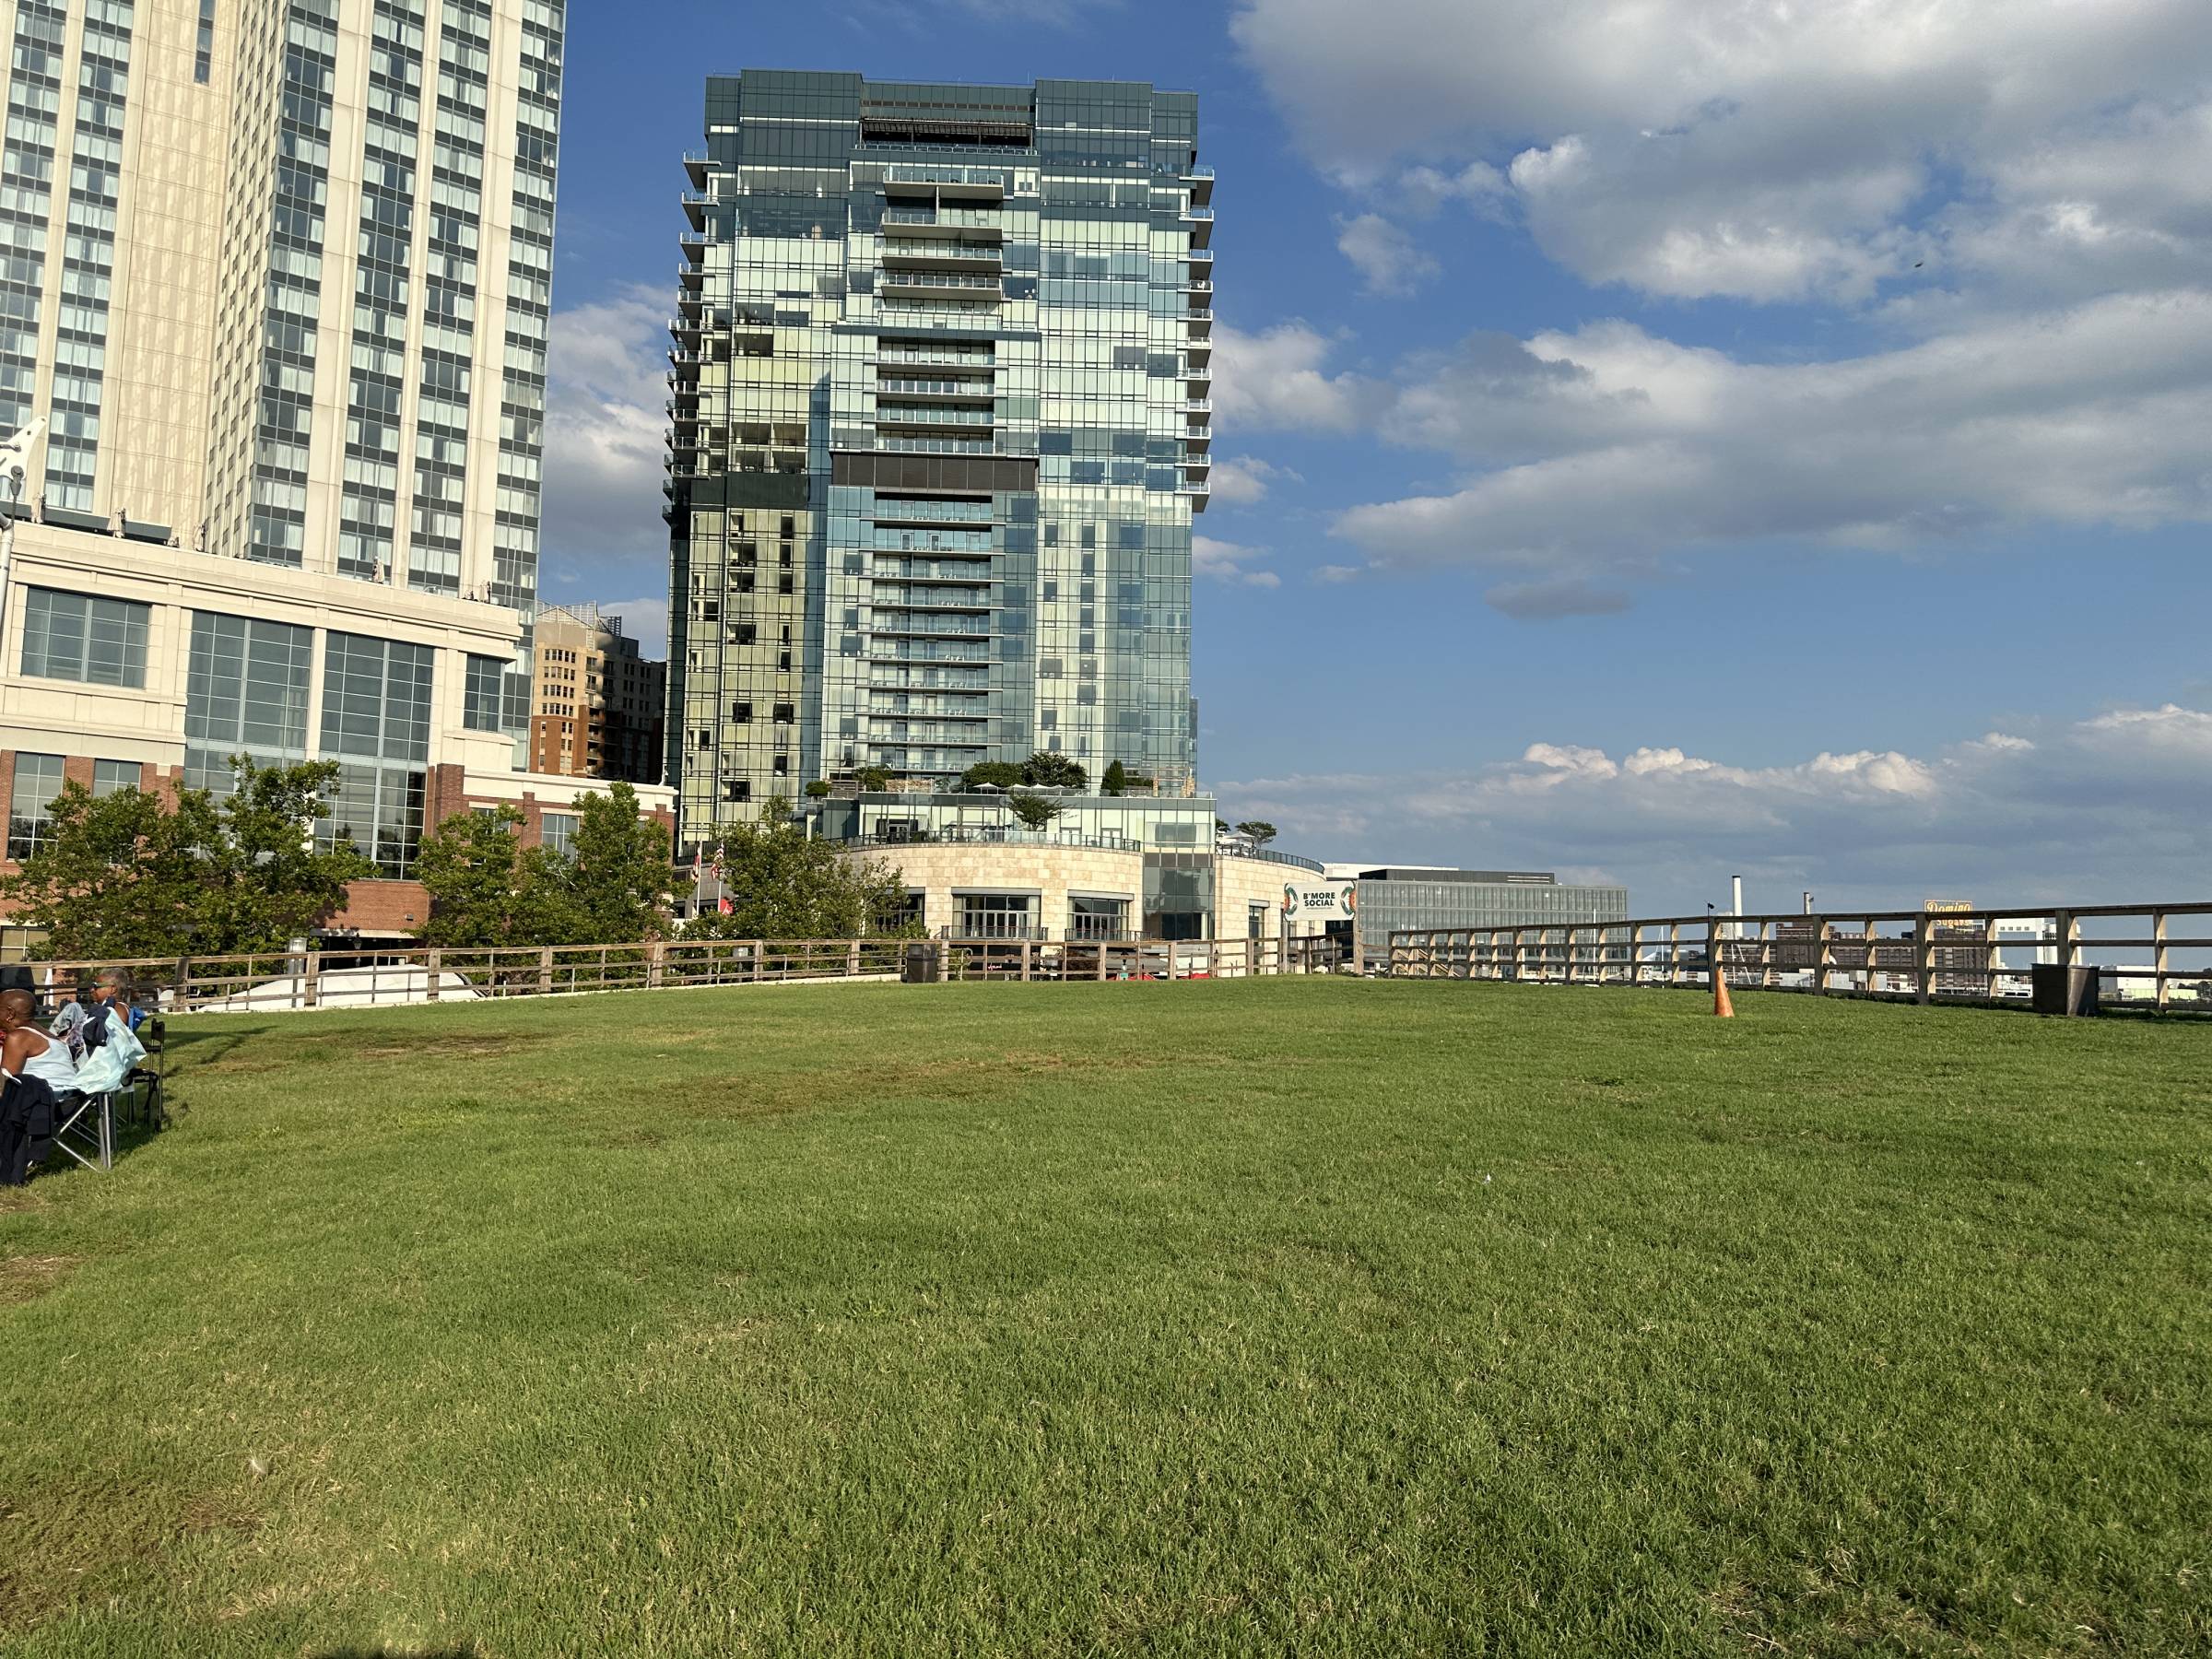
column 596, row 704
column 941, row 409
column 277, row 278
column 1397, row 898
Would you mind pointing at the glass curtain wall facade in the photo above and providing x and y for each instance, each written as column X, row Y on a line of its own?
column 940, row 413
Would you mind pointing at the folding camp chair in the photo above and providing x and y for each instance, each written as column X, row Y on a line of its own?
column 84, row 1127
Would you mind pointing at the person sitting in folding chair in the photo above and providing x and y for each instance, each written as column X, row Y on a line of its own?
column 38, row 1084
column 112, row 1052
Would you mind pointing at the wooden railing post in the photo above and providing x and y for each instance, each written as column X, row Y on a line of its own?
column 433, row 964
column 1026, row 960
column 545, row 970
column 759, row 950
column 2157, row 960
column 1871, row 937
column 2066, row 933
column 310, row 980
column 1924, row 958
column 656, row 964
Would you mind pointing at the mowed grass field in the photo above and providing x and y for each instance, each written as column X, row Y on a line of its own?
column 1242, row 1318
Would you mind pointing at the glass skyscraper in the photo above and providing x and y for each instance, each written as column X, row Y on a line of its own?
column 941, row 417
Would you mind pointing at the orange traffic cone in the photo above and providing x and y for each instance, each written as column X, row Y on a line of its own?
column 1721, row 1008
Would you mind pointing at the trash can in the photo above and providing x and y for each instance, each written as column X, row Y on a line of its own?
column 2055, row 989
column 921, row 967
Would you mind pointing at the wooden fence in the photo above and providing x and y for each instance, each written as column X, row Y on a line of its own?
column 1963, row 955
column 352, row 979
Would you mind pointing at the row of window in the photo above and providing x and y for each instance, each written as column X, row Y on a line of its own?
column 38, row 780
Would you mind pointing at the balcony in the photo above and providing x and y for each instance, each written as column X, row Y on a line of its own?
column 936, row 285
column 693, row 243
column 942, row 256
column 1200, row 255
column 695, row 207
column 1200, row 181
column 909, row 387
column 900, row 414
column 1201, row 221
column 1201, row 319
column 696, row 163
column 947, row 222
column 1197, row 406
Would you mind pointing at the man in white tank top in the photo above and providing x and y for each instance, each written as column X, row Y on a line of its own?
column 28, row 1057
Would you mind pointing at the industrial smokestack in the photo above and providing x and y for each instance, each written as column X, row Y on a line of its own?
column 1808, row 904
column 1735, row 904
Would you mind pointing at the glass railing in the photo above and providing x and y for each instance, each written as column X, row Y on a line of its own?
column 905, row 386
column 950, row 576
column 941, row 250
column 964, row 513
column 948, row 357
column 937, row 280
column 937, row 600
column 902, row 415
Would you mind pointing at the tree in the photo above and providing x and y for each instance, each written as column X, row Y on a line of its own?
column 133, row 875
column 818, row 789
column 1046, row 769
column 487, row 889
column 1260, row 830
column 1000, row 774
column 784, row 885
column 1035, row 811
column 873, row 780
column 1116, row 777
column 618, row 871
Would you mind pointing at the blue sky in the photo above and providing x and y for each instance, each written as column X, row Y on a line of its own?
column 1657, row 438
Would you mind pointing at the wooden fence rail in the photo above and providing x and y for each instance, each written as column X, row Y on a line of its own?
column 371, row 978
column 1923, row 956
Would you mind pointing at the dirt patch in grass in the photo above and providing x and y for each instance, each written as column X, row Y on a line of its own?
column 460, row 1046
column 24, row 1277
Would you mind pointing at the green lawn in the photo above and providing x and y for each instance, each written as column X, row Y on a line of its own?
column 1236, row 1318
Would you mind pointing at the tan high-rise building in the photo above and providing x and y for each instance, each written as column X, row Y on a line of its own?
column 596, row 703
column 278, row 276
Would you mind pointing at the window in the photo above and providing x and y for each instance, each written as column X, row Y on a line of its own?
column 480, row 694
column 203, row 62
column 245, row 687
column 557, row 833
column 112, row 777
column 376, row 711
column 38, row 780
column 77, row 637
column 376, row 699
column 996, row 915
column 1097, row 918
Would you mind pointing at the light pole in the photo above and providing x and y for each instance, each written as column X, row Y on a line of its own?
column 15, row 468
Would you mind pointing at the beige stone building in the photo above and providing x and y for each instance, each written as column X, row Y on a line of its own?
column 277, row 278
column 596, row 705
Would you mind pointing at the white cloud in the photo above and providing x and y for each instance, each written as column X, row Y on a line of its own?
column 1560, row 596
column 1387, row 257
column 1274, row 379
column 1609, row 446
column 2104, row 808
column 645, row 620
column 1337, row 572
column 1243, row 480
column 606, row 431
column 1765, row 151
column 1227, row 561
